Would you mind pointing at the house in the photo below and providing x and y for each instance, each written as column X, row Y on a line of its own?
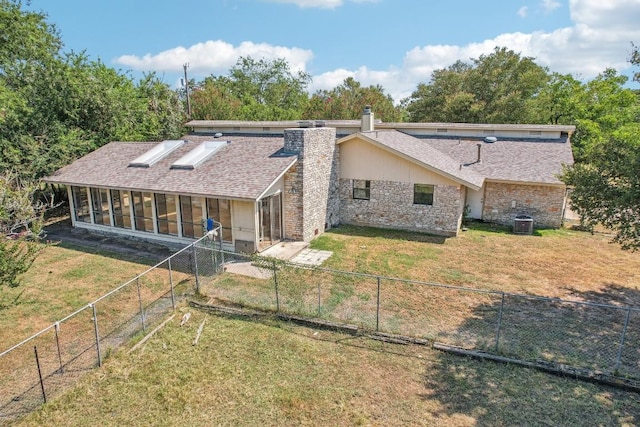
column 272, row 181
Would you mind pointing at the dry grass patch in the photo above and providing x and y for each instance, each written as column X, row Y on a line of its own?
column 553, row 263
column 244, row 373
column 60, row 281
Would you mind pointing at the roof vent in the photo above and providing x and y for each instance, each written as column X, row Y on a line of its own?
column 217, row 134
column 198, row 155
column 157, row 153
column 305, row 124
column 320, row 123
column 490, row 139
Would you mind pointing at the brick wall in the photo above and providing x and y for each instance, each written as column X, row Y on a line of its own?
column 391, row 206
column 543, row 203
column 311, row 187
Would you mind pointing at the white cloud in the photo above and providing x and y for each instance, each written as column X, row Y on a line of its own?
column 212, row 57
column 550, row 5
column 522, row 12
column 599, row 37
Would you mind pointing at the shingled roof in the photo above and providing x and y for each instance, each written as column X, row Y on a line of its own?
column 532, row 161
column 242, row 169
column 421, row 152
column 518, row 161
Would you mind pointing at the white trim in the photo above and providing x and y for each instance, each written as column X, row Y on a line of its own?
column 275, row 181
column 132, row 217
column 179, row 215
column 111, row 222
column 90, row 201
column 154, row 215
column 72, row 206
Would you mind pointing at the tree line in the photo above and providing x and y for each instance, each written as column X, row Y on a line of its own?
column 56, row 106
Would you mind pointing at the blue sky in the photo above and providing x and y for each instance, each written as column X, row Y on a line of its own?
column 394, row 43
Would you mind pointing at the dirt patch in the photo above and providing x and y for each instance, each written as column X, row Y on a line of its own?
column 59, row 231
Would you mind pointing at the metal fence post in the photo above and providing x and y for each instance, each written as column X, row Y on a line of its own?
column 624, row 333
column 318, row 299
column 44, row 395
column 195, row 263
column 140, row 302
column 57, row 331
column 173, row 296
column 95, row 328
column 499, row 323
column 275, row 281
column 378, row 306
column 221, row 252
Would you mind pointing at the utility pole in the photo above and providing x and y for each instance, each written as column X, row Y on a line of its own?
column 186, row 87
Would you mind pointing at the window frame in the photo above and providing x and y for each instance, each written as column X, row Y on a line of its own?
column 100, row 205
column 423, row 198
column 81, row 203
column 167, row 213
column 365, row 189
column 191, row 228
column 220, row 210
column 142, row 210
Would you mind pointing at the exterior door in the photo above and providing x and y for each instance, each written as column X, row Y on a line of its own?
column 270, row 221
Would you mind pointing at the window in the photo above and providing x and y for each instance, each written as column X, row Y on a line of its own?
column 80, row 204
column 422, row 194
column 361, row 189
column 167, row 211
column 120, row 203
column 220, row 210
column 100, row 206
column 142, row 211
column 191, row 214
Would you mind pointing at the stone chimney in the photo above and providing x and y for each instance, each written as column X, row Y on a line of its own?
column 311, row 186
column 367, row 119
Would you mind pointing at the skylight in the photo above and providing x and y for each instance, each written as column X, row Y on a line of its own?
column 158, row 152
column 198, row 155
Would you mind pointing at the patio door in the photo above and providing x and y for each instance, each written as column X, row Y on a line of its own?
column 270, row 221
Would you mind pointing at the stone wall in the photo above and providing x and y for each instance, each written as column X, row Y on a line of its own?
column 311, row 188
column 391, row 206
column 503, row 202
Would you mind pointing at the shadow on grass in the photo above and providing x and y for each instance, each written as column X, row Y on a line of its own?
column 497, row 394
column 62, row 234
column 588, row 337
column 384, row 233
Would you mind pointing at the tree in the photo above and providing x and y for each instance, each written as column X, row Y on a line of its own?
column 347, row 101
column 559, row 102
column 212, row 100
column 495, row 88
column 20, row 227
column 265, row 90
column 56, row 107
column 603, row 107
column 634, row 59
column 606, row 187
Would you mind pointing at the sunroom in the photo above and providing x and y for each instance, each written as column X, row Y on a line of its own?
column 167, row 191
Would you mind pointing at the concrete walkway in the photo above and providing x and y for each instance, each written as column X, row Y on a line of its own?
column 294, row 252
column 297, row 253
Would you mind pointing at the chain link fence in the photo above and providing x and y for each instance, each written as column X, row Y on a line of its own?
column 585, row 335
column 598, row 337
column 49, row 362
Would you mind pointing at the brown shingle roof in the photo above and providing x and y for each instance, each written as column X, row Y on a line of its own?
column 244, row 169
column 423, row 153
column 505, row 160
